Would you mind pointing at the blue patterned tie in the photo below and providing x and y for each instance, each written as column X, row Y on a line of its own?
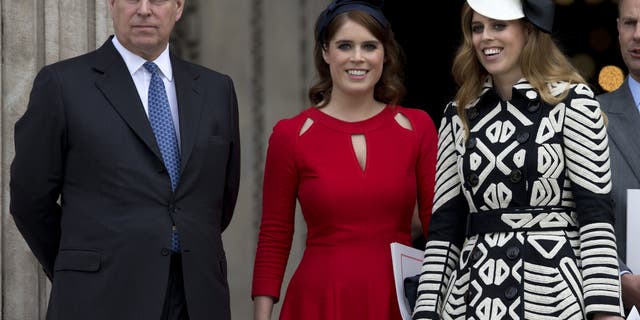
column 162, row 125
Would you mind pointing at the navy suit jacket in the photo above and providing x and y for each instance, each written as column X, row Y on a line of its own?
column 92, row 198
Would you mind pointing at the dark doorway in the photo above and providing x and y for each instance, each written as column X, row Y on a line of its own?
column 429, row 32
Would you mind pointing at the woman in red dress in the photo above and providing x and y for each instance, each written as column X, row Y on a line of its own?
column 358, row 164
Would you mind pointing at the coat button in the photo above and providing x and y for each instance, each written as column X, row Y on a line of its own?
column 515, row 176
column 511, row 293
column 513, row 253
column 473, row 179
column 467, row 297
column 472, row 113
column 533, row 106
column 523, row 137
column 476, row 255
column 471, row 143
column 165, row 252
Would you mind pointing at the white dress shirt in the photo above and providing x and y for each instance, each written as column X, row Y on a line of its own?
column 142, row 78
column 634, row 86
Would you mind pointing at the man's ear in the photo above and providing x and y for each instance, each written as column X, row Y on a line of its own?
column 179, row 9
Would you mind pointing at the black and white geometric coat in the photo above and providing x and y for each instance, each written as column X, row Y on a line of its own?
column 522, row 223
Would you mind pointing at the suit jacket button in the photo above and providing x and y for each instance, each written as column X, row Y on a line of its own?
column 511, row 293
column 164, row 252
column 515, row 176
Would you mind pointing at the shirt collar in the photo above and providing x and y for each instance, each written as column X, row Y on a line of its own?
column 134, row 62
column 634, row 86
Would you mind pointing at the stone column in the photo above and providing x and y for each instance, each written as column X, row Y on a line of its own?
column 266, row 47
column 35, row 33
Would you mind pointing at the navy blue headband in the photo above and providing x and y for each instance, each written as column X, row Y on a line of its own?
column 540, row 13
column 373, row 8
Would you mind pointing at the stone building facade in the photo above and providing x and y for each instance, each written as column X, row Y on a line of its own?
column 265, row 46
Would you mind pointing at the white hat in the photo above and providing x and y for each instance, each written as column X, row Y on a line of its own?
column 539, row 12
column 498, row 9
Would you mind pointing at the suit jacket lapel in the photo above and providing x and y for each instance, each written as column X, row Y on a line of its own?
column 190, row 101
column 118, row 87
column 624, row 131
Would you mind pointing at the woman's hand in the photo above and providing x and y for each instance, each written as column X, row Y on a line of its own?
column 262, row 307
column 630, row 290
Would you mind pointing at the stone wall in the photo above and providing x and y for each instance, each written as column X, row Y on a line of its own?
column 265, row 46
column 34, row 33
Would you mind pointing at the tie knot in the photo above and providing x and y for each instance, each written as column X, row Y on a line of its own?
column 151, row 67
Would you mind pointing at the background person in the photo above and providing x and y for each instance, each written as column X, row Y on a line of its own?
column 621, row 107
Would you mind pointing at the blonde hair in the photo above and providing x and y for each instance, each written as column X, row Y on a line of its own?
column 541, row 62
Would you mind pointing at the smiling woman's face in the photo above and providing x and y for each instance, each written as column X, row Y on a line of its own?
column 498, row 45
column 355, row 58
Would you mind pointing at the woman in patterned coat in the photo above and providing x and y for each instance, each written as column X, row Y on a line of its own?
column 522, row 222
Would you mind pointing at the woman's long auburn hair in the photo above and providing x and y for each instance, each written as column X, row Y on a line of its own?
column 541, row 62
column 390, row 88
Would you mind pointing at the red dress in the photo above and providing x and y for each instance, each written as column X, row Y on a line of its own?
column 352, row 214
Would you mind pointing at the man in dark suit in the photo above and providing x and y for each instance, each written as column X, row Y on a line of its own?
column 621, row 107
column 126, row 173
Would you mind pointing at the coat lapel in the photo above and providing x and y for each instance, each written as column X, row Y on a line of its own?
column 118, row 88
column 623, row 129
column 190, row 102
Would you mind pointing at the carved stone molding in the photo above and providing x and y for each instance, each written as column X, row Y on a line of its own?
column 185, row 39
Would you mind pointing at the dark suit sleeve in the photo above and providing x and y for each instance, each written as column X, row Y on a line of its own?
column 233, row 164
column 38, row 168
